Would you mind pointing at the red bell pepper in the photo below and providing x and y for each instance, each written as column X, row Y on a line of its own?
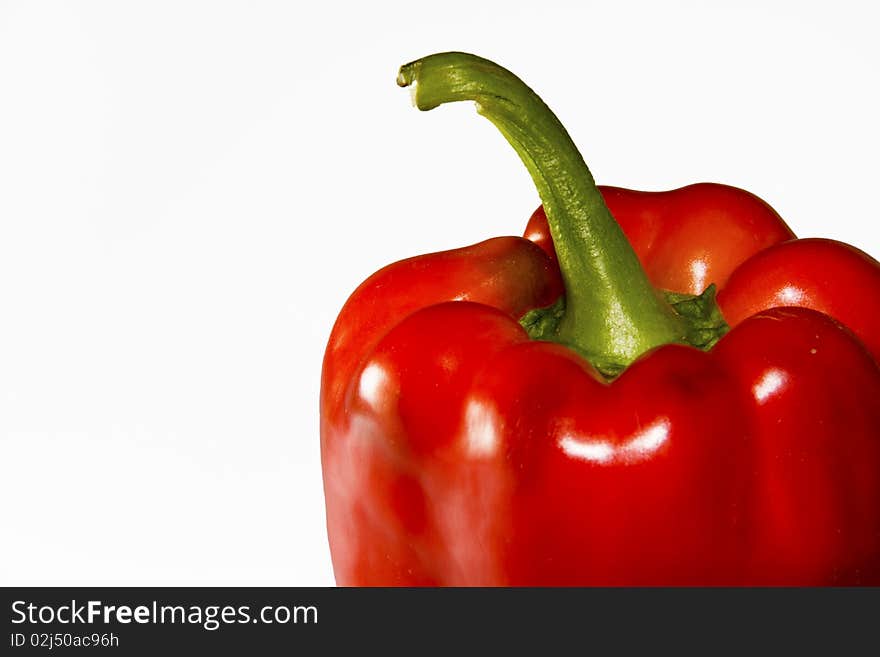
column 576, row 408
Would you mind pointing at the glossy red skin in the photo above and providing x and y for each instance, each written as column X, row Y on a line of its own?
column 689, row 237
column 458, row 452
column 829, row 276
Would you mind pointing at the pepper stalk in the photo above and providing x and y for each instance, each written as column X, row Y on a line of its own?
column 612, row 313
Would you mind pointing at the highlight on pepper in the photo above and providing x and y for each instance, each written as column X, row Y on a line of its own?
column 648, row 388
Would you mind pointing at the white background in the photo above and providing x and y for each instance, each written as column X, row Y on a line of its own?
column 190, row 190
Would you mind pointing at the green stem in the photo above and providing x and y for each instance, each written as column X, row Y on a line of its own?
column 612, row 312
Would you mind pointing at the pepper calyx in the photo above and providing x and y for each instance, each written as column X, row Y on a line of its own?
column 700, row 315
